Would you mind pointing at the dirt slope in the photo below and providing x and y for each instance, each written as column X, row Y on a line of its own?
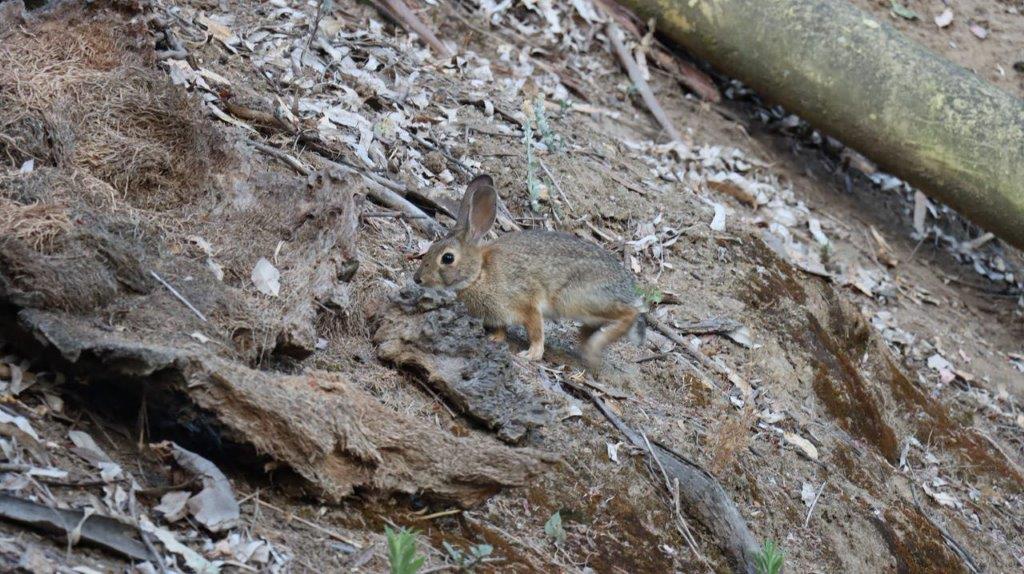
column 883, row 430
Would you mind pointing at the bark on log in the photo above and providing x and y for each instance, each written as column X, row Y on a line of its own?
column 921, row 117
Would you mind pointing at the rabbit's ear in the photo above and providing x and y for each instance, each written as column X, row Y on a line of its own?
column 479, row 207
column 466, row 206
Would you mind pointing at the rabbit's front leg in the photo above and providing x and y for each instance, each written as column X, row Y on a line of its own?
column 497, row 334
column 533, row 320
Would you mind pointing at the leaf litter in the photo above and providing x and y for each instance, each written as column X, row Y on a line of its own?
column 381, row 102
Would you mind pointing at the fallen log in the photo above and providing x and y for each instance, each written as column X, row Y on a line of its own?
column 424, row 333
column 335, row 436
column 920, row 117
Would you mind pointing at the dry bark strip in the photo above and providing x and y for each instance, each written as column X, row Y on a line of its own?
column 95, row 529
column 335, row 436
column 699, row 491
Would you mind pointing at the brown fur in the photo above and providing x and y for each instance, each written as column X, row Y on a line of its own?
column 522, row 278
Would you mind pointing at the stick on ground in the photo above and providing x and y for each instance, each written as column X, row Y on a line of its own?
column 375, row 189
column 411, row 22
column 96, row 529
column 637, row 77
column 700, row 357
column 178, row 296
column 702, row 494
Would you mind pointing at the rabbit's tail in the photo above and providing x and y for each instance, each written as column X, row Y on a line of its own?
column 638, row 332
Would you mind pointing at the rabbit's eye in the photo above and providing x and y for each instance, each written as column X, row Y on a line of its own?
column 448, row 258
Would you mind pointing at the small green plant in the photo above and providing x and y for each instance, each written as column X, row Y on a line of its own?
column 651, row 295
column 769, row 559
column 532, row 183
column 402, row 551
column 467, row 561
column 563, row 107
column 553, row 528
column 552, row 140
column 826, row 252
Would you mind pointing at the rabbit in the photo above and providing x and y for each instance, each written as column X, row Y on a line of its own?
column 523, row 277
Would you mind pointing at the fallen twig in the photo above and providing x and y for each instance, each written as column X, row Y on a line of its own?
column 411, row 22
column 388, row 198
column 320, row 8
column 290, row 160
column 814, row 503
column 326, row 531
column 701, row 492
column 378, row 189
column 152, row 550
column 261, row 118
column 440, row 514
column 700, row 357
column 713, row 326
column 673, row 489
column 955, row 546
column 179, row 296
column 641, row 85
column 554, row 181
column 1010, row 461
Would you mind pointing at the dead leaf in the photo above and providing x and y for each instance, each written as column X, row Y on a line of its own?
column 858, row 161
column 814, row 225
column 613, row 451
column 86, row 447
column 18, row 421
column 734, row 185
column 215, row 507
column 807, row 493
column 903, row 12
column 742, row 338
column 803, row 445
column 266, row 278
column 193, row 560
column 920, row 212
column 938, row 363
column 218, row 30
column 172, row 505
column 884, row 252
column 943, row 498
column 718, row 222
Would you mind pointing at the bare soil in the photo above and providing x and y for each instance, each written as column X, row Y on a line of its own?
column 915, row 470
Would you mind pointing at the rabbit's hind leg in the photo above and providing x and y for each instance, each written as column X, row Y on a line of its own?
column 622, row 321
column 588, row 329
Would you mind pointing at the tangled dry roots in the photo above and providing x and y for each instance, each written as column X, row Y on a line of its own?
column 88, row 99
